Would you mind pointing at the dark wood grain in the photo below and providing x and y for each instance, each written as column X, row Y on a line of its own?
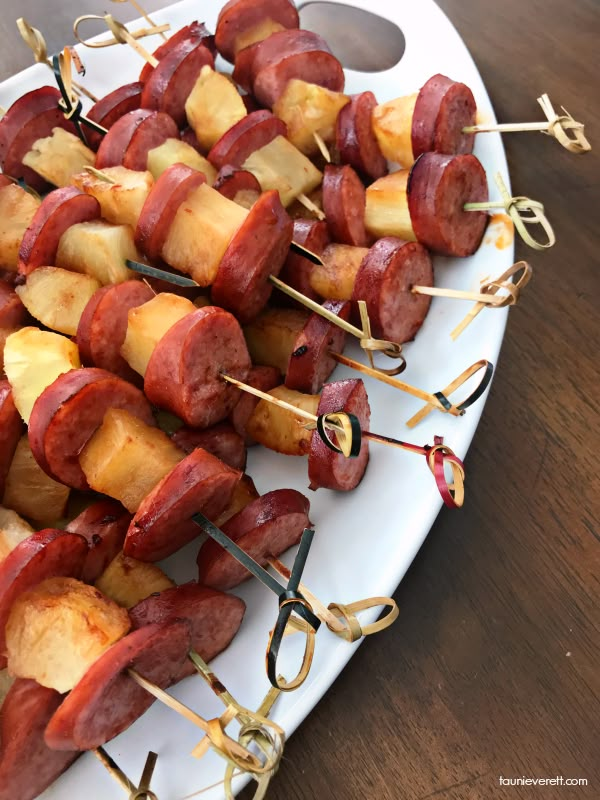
column 493, row 666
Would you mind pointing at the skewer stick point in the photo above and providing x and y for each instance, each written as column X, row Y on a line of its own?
column 313, row 207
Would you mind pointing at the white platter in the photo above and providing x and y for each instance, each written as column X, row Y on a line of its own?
column 366, row 540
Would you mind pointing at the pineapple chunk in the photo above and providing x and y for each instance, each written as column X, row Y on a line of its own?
column 307, row 109
column 17, row 208
column 148, row 323
column 387, row 212
column 57, row 630
column 334, row 279
column 127, row 580
column 279, row 165
column 30, row 492
column 257, row 33
column 213, row 106
column 282, row 430
column 6, row 681
column 126, row 458
column 13, row 529
column 33, row 359
column 57, row 297
column 4, row 334
column 201, row 232
column 99, row 249
column 272, row 336
column 392, row 126
column 174, row 151
column 243, row 494
column 121, row 194
column 58, row 157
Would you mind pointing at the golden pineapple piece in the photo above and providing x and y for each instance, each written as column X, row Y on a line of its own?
column 121, row 193
column 279, row 429
column 33, row 359
column 58, row 157
column 334, row 279
column 98, row 249
column 32, row 493
column 279, row 165
column 257, row 33
column 387, row 212
column 244, row 493
column 127, row 580
column 126, row 458
column 213, row 106
column 214, row 219
column 392, row 126
column 57, row 630
column 4, row 334
column 272, row 335
column 17, row 208
column 307, row 109
column 148, row 323
column 174, row 151
column 6, row 681
column 13, row 529
column 57, row 297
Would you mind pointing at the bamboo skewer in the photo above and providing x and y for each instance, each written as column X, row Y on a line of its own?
column 143, row 14
column 121, row 35
column 322, row 147
column 350, row 628
column 35, row 41
column 513, row 207
column 488, row 294
column 556, row 125
column 312, row 207
column 341, row 425
column 215, row 737
column 141, row 792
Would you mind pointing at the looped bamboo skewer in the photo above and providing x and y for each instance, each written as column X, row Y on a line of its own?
column 483, row 364
column 490, row 288
column 488, row 295
column 142, row 13
column 339, row 618
column 248, row 736
column 558, row 126
column 513, row 207
column 367, row 342
column 37, row 44
column 141, row 792
column 121, row 35
column 437, row 455
column 214, row 729
column 270, row 736
column 69, row 103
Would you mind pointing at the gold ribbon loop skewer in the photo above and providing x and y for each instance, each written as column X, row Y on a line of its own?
column 490, row 289
column 121, row 35
column 559, row 126
column 516, row 208
column 143, row 791
column 341, row 619
column 483, row 364
column 143, row 14
column 37, row 44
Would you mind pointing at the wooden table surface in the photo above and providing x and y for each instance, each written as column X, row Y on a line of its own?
column 492, row 668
